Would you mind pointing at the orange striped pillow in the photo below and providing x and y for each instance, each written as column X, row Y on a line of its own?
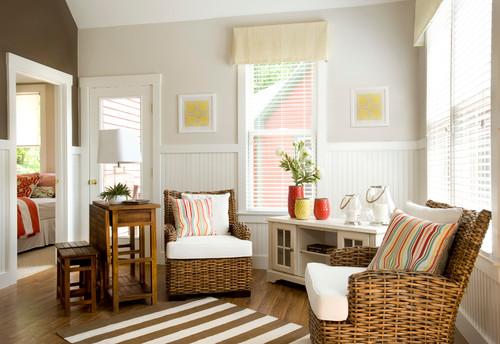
column 413, row 243
column 192, row 217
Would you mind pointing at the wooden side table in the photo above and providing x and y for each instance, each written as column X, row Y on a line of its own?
column 104, row 216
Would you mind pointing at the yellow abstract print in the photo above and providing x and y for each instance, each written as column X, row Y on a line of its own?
column 197, row 113
column 369, row 107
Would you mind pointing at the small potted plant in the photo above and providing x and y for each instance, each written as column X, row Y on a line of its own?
column 302, row 169
column 115, row 194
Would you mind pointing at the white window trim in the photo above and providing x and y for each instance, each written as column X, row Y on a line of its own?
column 243, row 85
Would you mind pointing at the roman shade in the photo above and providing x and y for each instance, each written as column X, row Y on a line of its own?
column 280, row 43
column 424, row 11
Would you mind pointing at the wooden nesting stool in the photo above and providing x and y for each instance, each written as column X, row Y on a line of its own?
column 63, row 245
column 83, row 260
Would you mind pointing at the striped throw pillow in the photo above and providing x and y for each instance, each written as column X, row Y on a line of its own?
column 413, row 243
column 192, row 217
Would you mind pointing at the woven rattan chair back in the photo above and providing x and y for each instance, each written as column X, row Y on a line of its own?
column 208, row 275
column 405, row 306
column 471, row 231
column 169, row 214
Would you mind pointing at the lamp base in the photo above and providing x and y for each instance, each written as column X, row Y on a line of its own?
column 119, row 176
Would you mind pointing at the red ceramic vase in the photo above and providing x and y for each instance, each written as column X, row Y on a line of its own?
column 321, row 208
column 294, row 192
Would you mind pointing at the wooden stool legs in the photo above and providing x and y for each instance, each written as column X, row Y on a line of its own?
column 81, row 260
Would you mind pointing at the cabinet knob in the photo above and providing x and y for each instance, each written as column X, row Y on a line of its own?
column 291, row 249
column 92, row 182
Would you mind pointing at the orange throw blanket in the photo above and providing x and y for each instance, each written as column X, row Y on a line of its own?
column 28, row 221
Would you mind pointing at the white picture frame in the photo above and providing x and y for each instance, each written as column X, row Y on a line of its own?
column 370, row 107
column 197, row 113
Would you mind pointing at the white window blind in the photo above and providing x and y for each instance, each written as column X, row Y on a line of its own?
column 28, row 120
column 281, row 107
column 459, row 105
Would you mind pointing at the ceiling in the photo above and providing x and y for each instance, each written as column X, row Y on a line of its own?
column 107, row 13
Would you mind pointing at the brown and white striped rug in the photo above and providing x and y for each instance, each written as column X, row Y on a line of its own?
column 201, row 321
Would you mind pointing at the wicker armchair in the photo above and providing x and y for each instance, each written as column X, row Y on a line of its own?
column 200, row 276
column 402, row 305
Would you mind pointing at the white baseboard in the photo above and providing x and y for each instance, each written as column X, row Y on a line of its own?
column 467, row 329
column 260, row 262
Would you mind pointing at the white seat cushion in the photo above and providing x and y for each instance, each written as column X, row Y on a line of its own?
column 216, row 246
column 327, row 290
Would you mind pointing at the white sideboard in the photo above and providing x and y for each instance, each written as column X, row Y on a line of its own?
column 289, row 237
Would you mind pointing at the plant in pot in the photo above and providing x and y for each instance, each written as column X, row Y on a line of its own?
column 115, row 194
column 303, row 171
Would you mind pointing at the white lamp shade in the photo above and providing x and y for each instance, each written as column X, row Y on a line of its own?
column 117, row 146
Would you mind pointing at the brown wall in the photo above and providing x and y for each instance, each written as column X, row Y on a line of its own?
column 44, row 32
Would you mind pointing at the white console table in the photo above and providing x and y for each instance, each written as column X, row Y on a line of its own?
column 289, row 237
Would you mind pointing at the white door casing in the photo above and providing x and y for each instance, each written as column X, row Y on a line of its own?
column 92, row 91
column 63, row 131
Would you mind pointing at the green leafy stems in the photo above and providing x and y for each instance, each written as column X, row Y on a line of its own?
column 117, row 190
column 300, row 165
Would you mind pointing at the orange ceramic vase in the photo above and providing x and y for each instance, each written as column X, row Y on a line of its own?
column 294, row 192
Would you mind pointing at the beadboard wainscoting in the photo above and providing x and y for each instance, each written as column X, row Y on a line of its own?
column 192, row 170
column 74, row 192
column 5, row 205
column 350, row 167
column 479, row 313
column 259, row 238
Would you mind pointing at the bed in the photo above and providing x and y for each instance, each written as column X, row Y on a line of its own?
column 38, row 191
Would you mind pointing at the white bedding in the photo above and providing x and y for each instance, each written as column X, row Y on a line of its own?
column 46, row 207
column 47, row 235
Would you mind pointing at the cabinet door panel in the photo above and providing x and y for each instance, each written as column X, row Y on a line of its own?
column 284, row 248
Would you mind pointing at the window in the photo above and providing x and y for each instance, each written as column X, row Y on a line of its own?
column 280, row 109
column 459, row 106
column 123, row 113
column 28, row 132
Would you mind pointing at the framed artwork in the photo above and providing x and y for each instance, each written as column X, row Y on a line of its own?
column 370, row 107
column 196, row 113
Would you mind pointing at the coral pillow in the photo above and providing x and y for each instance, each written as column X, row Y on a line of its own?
column 26, row 183
column 192, row 217
column 413, row 243
column 47, row 179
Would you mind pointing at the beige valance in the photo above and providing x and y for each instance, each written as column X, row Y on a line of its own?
column 424, row 11
column 280, row 43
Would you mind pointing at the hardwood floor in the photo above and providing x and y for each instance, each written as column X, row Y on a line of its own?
column 29, row 311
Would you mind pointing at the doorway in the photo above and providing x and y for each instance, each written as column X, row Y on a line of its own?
column 131, row 102
column 20, row 67
column 35, row 139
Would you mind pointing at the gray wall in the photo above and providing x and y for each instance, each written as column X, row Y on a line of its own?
column 370, row 46
column 44, row 32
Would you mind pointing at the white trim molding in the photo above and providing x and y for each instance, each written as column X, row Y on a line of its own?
column 208, row 148
column 17, row 65
column 375, row 145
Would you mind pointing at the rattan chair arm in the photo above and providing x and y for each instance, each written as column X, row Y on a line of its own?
column 170, row 233
column 241, row 231
column 397, row 294
column 353, row 256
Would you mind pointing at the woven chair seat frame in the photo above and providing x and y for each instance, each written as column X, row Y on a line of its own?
column 203, row 276
column 403, row 306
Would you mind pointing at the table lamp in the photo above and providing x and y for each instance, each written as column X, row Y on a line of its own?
column 118, row 146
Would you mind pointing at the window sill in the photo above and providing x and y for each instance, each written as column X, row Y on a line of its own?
column 257, row 216
column 489, row 265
